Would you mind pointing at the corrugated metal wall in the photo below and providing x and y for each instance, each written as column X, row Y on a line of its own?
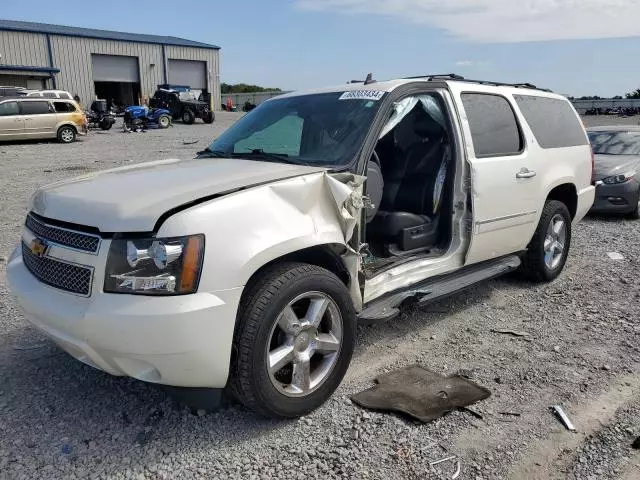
column 72, row 55
column 18, row 48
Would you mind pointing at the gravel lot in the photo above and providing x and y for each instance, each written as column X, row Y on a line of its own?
column 62, row 419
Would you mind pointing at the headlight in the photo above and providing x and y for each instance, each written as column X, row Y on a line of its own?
column 155, row 266
column 625, row 177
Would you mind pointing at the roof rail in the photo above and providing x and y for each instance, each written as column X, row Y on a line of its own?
column 459, row 78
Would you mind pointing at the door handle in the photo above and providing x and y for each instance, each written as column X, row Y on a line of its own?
column 525, row 173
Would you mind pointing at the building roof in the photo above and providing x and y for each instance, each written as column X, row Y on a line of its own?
column 32, row 27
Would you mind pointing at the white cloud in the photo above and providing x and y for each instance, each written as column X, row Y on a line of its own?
column 503, row 20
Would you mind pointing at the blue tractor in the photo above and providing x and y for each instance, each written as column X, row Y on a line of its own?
column 137, row 118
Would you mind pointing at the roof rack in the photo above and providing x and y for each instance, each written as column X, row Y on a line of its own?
column 459, row 78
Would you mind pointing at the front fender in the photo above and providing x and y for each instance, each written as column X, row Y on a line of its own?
column 248, row 229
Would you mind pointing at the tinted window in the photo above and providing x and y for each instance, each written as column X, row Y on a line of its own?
column 66, row 95
column 283, row 136
column 62, row 107
column 49, row 95
column 615, row 143
column 494, row 129
column 34, row 108
column 552, row 120
column 9, row 108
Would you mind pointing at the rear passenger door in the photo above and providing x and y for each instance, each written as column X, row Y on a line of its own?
column 11, row 122
column 504, row 183
column 40, row 118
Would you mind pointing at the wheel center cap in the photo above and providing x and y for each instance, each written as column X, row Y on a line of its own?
column 302, row 341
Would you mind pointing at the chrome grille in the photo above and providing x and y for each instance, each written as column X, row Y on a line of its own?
column 62, row 236
column 65, row 276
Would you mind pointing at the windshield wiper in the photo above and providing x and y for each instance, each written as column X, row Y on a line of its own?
column 259, row 153
column 206, row 153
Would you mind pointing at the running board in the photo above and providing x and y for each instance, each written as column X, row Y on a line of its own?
column 388, row 306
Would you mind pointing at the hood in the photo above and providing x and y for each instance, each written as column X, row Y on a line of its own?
column 609, row 165
column 132, row 198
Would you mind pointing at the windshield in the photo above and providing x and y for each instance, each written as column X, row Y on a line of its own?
column 615, row 142
column 325, row 129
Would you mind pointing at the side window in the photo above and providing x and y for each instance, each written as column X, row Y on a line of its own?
column 284, row 137
column 34, row 108
column 49, row 95
column 494, row 128
column 9, row 108
column 64, row 107
column 66, row 95
column 552, row 120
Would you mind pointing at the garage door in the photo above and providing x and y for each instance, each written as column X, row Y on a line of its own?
column 188, row 72
column 115, row 68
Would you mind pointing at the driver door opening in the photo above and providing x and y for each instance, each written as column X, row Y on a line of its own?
column 410, row 179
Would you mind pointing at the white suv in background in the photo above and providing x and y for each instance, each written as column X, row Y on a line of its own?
column 249, row 266
column 50, row 94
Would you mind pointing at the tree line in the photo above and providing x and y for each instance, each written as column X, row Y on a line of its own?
column 631, row 95
column 245, row 88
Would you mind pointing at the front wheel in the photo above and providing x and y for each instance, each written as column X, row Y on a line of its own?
column 66, row 134
column 547, row 253
column 164, row 121
column 106, row 124
column 635, row 214
column 188, row 117
column 208, row 117
column 294, row 340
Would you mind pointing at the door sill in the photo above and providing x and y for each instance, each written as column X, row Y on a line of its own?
column 388, row 306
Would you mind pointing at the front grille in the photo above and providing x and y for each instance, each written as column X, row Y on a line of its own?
column 62, row 236
column 65, row 276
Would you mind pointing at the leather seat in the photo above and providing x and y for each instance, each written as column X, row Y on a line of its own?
column 409, row 212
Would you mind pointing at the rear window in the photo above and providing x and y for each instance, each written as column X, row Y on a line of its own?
column 552, row 120
column 64, row 107
column 34, row 108
column 615, row 142
column 494, row 128
column 9, row 108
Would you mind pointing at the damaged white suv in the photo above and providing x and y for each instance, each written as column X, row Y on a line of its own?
column 249, row 266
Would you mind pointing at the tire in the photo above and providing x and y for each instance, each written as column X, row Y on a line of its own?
column 539, row 265
column 66, row 134
column 208, row 117
column 188, row 117
column 275, row 393
column 106, row 125
column 164, row 121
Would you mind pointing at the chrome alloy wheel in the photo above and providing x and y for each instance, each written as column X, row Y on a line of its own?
column 555, row 241
column 304, row 344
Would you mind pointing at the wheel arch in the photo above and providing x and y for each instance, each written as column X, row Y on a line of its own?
column 566, row 193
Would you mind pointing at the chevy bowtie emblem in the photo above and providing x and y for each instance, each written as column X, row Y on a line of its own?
column 38, row 247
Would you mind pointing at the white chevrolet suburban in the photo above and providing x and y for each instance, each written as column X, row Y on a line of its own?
column 249, row 266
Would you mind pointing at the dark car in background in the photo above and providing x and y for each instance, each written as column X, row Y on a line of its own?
column 182, row 107
column 617, row 169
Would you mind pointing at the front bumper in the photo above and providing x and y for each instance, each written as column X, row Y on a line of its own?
column 619, row 198
column 182, row 341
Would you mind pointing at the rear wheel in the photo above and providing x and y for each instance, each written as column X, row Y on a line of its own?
column 188, row 117
column 294, row 340
column 164, row 121
column 106, row 124
column 547, row 253
column 66, row 134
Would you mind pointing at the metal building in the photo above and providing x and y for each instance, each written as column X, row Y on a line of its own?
column 126, row 67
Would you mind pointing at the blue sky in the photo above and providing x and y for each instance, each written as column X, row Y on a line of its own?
column 576, row 47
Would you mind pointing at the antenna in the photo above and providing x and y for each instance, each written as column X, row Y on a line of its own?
column 369, row 80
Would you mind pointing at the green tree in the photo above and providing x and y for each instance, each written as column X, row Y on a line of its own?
column 245, row 88
column 634, row 94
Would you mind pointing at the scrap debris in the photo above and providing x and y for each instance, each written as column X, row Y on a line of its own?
column 515, row 333
column 420, row 393
column 636, row 444
column 559, row 412
column 615, row 256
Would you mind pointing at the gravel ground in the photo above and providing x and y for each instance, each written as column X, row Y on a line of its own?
column 62, row 419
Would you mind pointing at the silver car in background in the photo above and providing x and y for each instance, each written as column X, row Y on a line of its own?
column 617, row 169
